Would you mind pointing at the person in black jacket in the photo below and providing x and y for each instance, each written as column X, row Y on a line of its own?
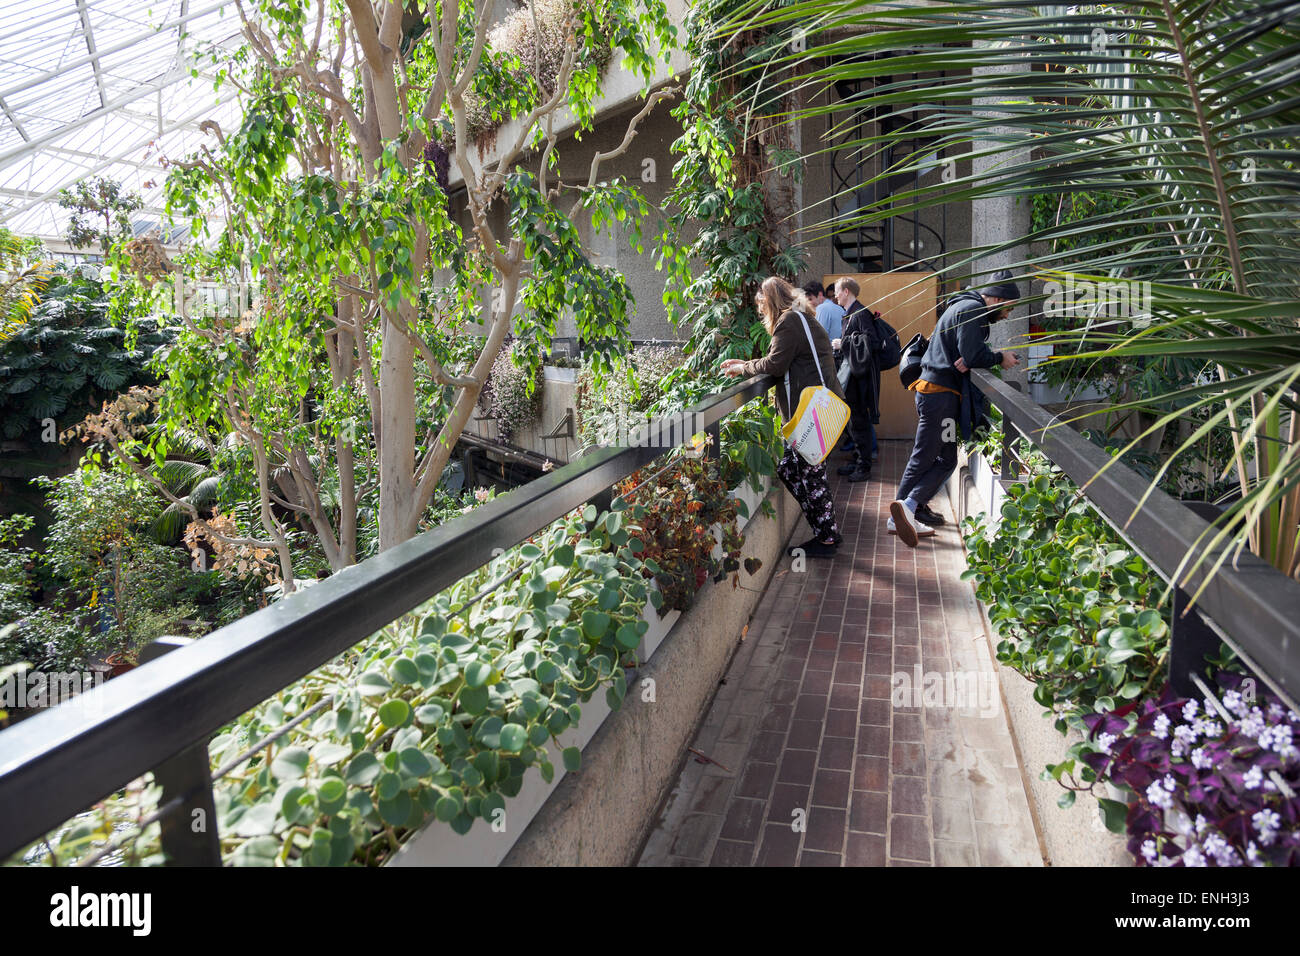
column 959, row 343
column 858, row 345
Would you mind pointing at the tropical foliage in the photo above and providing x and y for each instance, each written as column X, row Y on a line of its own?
column 437, row 718
column 1176, row 117
column 67, row 359
column 23, row 277
column 346, row 385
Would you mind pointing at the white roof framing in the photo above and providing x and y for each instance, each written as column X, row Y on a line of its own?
column 103, row 88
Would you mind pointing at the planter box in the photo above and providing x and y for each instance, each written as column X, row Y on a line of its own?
column 553, row 373
column 1073, row 837
column 600, row 814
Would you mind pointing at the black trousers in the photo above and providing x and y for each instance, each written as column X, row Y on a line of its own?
column 934, row 455
column 860, row 428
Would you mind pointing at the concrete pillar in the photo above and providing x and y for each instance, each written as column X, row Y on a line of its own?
column 998, row 220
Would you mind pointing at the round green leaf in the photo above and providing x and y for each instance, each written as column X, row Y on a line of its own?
column 395, row 713
column 513, row 738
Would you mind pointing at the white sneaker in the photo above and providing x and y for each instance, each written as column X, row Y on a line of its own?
column 921, row 529
column 908, row 530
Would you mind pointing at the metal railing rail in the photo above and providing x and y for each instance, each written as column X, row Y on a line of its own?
column 1248, row 603
column 160, row 715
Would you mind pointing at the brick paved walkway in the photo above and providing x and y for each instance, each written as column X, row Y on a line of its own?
column 814, row 758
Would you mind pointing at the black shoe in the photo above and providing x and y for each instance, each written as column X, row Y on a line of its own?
column 926, row 516
column 812, row 548
column 860, row 474
column 846, row 469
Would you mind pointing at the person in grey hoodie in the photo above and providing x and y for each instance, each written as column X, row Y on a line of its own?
column 958, row 344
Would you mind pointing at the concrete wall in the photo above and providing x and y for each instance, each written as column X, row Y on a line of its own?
column 559, row 394
column 600, row 815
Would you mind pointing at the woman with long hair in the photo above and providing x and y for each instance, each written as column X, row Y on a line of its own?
column 801, row 350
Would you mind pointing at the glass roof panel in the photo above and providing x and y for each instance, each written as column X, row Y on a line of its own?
column 102, row 88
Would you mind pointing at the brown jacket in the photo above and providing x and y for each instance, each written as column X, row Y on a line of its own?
column 790, row 352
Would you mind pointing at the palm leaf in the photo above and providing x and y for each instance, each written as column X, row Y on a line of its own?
column 1187, row 112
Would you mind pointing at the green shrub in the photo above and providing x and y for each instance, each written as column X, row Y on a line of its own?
column 1077, row 612
column 437, row 717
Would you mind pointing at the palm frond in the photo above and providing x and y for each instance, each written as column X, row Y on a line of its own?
column 1185, row 113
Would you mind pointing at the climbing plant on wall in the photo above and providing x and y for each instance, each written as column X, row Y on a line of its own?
column 730, row 191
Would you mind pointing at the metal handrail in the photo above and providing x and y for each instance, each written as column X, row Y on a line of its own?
column 57, row 763
column 1251, row 605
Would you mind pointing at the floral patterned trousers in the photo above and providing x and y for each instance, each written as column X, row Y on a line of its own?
column 810, row 488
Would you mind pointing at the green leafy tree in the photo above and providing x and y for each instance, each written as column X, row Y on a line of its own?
column 101, row 212
column 341, row 381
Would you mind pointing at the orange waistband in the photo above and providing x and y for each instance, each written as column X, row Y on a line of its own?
column 930, row 388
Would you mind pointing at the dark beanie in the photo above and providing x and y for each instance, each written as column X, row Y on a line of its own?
column 1001, row 286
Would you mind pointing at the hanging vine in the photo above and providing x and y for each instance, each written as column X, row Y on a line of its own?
column 733, row 190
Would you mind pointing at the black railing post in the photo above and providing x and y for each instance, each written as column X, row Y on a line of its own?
column 1190, row 641
column 189, row 833
column 713, row 441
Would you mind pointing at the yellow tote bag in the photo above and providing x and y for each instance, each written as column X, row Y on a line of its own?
column 819, row 420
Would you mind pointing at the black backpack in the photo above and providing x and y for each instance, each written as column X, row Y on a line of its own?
column 909, row 366
column 888, row 353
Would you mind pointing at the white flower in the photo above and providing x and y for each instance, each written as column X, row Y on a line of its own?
column 1168, row 782
column 1207, row 727
column 1254, row 724
column 1193, row 856
column 1266, row 823
column 1149, row 851
column 1252, row 854
column 1275, row 711
column 1218, row 847
column 1200, row 761
column 1159, row 796
column 1276, row 738
column 1189, row 710
column 1253, row 778
column 1201, row 824
column 1233, row 702
column 1161, row 728
column 481, row 495
column 1184, row 737
column 1106, row 741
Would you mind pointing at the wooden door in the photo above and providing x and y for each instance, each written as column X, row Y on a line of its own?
column 906, row 300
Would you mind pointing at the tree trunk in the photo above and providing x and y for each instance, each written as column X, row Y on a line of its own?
column 398, row 514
